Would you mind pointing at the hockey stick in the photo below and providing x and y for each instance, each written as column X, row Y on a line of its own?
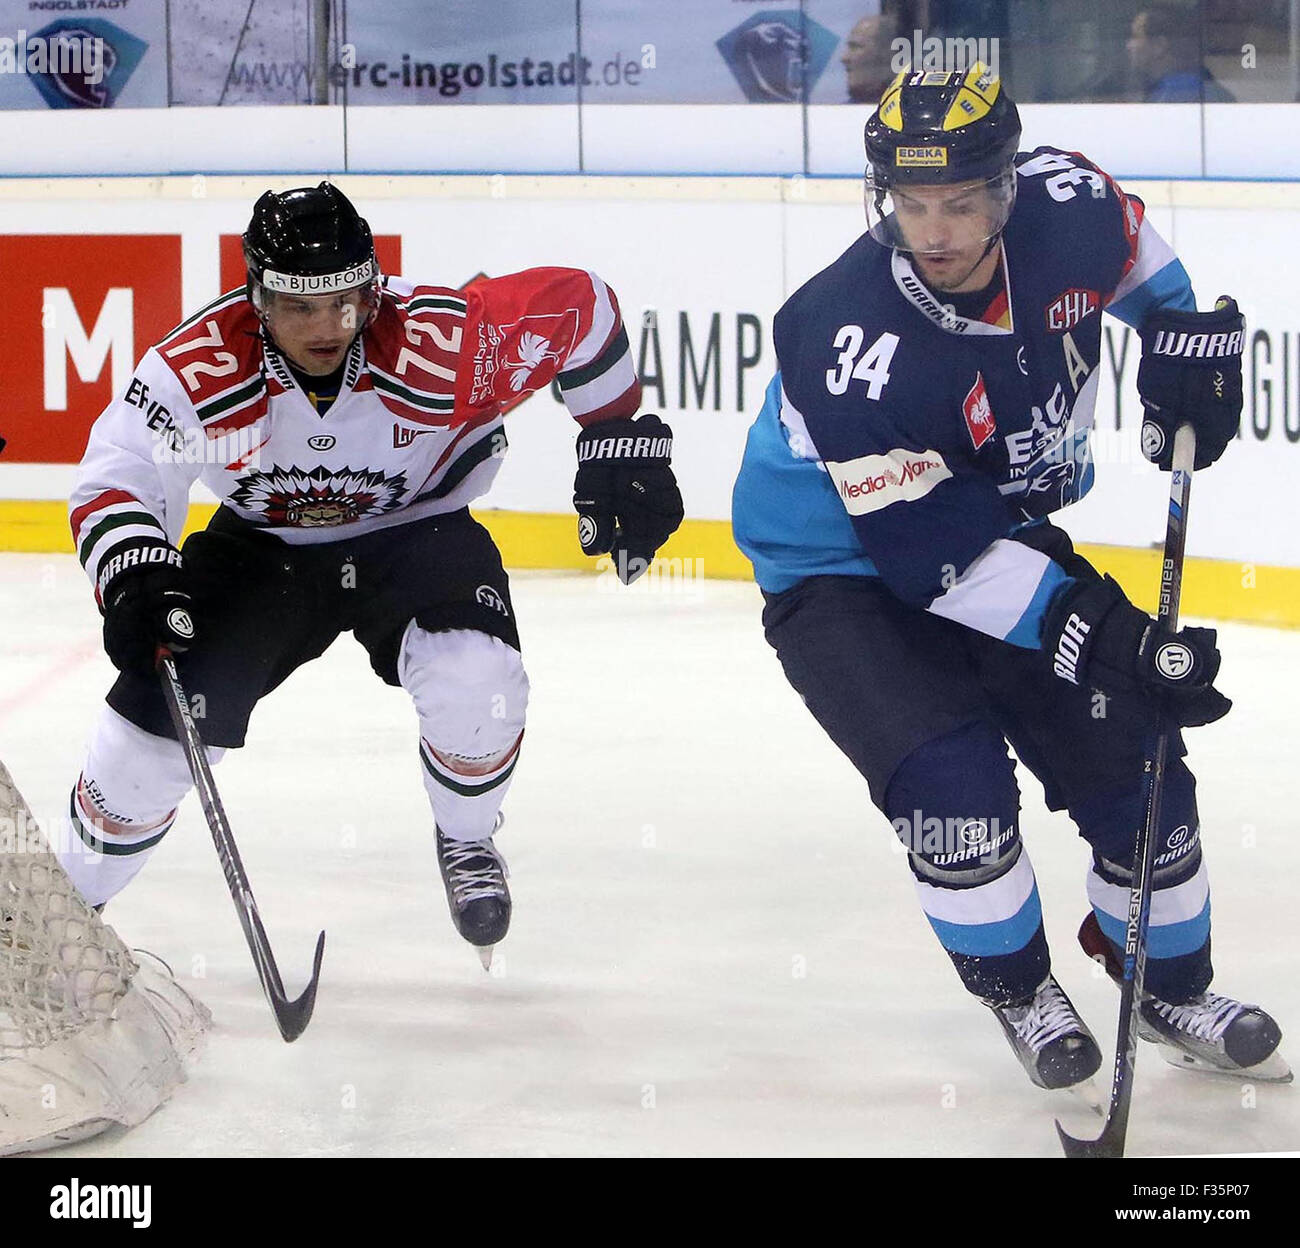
column 1111, row 1141
column 291, row 1017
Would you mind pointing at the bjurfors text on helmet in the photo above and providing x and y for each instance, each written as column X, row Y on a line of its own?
column 320, row 283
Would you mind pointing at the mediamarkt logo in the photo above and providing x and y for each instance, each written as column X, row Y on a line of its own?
column 875, row 481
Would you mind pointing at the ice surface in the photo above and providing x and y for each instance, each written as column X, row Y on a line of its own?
column 715, row 948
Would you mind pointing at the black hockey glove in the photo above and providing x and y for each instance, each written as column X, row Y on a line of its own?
column 146, row 607
column 625, row 493
column 1191, row 373
column 1094, row 636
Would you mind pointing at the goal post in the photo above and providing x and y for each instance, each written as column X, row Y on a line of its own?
column 91, row 1035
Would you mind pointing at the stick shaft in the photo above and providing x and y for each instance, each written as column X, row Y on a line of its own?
column 1111, row 1141
column 290, row 1016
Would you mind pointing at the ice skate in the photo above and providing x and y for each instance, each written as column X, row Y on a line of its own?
column 1052, row 1042
column 1210, row 1033
column 474, row 873
column 1216, row 1034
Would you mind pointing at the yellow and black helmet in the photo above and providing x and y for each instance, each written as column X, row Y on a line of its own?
column 937, row 126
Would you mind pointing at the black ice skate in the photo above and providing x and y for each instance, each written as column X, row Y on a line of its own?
column 474, row 873
column 1217, row 1034
column 1052, row 1042
column 1210, row 1032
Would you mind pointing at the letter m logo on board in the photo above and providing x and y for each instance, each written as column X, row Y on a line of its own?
column 81, row 310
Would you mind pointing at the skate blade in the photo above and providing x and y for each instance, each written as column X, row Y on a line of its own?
column 1273, row 1069
column 485, row 956
column 1089, row 1095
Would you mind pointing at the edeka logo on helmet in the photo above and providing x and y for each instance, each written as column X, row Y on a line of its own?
column 941, row 178
column 312, row 274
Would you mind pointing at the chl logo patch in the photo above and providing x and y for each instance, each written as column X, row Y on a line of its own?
column 978, row 413
column 1069, row 308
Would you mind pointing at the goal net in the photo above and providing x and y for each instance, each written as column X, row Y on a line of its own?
column 90, row 1035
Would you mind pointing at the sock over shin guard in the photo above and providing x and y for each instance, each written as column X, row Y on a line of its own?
column 954, row 803
column 471, row 693
column 121, row 806
column 1178, row 937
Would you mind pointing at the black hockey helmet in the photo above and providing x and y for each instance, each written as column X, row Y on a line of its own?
column 308, row 241
column 941, row 128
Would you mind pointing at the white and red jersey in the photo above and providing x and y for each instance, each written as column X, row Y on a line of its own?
column 416, row 428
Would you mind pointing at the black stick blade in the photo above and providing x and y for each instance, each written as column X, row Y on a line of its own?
column 292, row 1017
column 1110, row 1143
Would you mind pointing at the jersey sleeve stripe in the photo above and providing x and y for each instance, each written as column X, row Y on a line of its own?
column 219, row 303
column 797, row 438
column 245, row 392
column 100, row 501
column 614, row 391
column 421, row 401
column 627, row 404
column 1004, row 593
column 573, row 378
column 1169, row 287
column 437, row 303
column 605, row 322
column 494, row 442
column 136, row 521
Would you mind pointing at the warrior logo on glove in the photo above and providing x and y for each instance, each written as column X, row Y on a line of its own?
column 178, row 620
column 1191, row 373
column 1174, row 660
column 625, row 492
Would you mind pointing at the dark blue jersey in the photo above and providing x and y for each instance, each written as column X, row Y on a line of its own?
column 903, row 441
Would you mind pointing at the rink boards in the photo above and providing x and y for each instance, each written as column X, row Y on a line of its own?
column 97, row 269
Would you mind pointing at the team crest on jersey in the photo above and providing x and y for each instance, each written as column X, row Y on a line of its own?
column 318, row 497
column 521, row 349
column 978, row 412
column 1069, row 308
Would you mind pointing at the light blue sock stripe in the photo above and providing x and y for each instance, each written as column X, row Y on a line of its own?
column 1167, row 940
column 982, row 940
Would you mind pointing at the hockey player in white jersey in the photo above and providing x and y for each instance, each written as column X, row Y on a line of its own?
column 344, row 420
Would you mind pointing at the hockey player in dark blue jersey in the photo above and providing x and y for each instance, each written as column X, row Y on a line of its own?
column 932, row 407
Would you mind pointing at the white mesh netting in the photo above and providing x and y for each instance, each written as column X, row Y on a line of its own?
column 89, row 1035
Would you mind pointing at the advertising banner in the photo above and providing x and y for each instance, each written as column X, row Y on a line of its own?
column 83, row 54
column 699, row 270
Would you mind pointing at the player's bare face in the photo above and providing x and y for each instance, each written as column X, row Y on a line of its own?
column 947, row 228
column 315, row 331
